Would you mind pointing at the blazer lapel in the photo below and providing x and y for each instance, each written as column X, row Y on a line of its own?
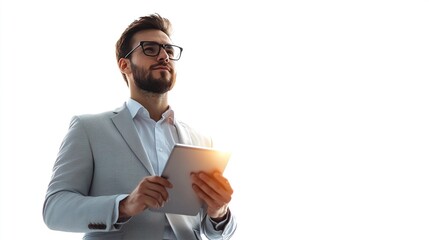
column 125, row 125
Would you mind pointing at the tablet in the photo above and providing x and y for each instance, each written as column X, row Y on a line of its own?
column 183, row 160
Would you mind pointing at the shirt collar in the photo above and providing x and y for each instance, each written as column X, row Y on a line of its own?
column 135, row 107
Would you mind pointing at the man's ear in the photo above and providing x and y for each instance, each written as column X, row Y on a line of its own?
column 124, row 65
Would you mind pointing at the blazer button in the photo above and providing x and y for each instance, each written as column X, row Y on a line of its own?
column 97, row 226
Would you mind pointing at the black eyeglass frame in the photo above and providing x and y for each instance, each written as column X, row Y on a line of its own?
column 159, row 49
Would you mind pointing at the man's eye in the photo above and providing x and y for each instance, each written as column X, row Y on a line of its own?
column 170, row 51
column 150, row 50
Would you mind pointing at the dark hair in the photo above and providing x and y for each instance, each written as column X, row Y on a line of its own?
column 152, row 21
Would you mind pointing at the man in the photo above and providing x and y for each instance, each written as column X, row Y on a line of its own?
column 106, row 176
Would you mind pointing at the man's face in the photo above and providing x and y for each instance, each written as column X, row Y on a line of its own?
column 150, row 81
column 154, row 74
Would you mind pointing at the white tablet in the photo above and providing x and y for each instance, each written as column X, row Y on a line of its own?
column 183, row 160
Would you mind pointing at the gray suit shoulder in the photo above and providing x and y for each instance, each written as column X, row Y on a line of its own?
column 93, row 120
column 101, row 115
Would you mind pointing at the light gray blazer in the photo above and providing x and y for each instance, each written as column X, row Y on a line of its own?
column 100, row 158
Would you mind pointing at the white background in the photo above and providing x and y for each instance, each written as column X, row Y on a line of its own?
column 324, row 104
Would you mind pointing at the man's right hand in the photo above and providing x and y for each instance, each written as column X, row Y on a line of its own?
column 151, row 192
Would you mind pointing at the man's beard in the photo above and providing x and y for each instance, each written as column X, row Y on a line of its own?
column 146, row 81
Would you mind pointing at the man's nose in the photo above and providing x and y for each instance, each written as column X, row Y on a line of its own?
column 163, row 55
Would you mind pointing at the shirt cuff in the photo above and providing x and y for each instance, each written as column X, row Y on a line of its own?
column 116, row 219
column 219, row 226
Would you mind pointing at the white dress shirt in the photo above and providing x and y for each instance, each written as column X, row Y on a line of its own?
column 158, row 139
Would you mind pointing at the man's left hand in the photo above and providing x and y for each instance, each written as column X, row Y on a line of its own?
column 215, row 191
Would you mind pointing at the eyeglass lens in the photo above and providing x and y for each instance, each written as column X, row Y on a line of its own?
column 153, row 49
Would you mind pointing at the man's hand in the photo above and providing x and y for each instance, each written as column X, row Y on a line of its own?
column 151, row 192
column 215, row 191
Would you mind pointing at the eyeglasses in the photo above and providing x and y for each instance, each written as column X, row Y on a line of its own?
column 152, row 49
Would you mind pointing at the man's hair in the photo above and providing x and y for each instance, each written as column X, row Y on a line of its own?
column 152, row 21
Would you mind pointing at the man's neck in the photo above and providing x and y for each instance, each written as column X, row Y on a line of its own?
column 155, row 104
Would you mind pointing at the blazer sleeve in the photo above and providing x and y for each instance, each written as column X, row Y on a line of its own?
column 67, row 206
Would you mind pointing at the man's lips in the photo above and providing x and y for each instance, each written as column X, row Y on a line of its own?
column 161, row 68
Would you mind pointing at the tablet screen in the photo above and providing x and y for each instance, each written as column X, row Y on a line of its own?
column 183, row 160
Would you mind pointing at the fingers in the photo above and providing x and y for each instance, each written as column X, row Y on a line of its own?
column 213, row 189
column 158, row 180
column 154, row 189
column 155, row 198
column 151, row 192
